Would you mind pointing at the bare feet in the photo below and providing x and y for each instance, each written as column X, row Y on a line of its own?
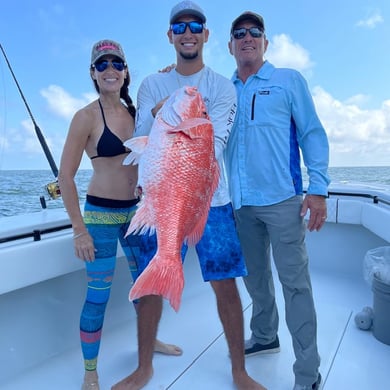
column 167, row 349
column 91, row 381
column 244, row 382
column 136, row 381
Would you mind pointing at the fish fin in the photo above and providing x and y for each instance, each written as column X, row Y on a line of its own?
column 192, row 127
column 130, row 159
column 196, row 234
column 137, row 146
column 140, row 223
column 161, row 277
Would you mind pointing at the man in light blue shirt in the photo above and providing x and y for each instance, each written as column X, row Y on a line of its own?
column 275, row 123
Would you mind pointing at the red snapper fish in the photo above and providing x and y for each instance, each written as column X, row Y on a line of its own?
column 178, row 173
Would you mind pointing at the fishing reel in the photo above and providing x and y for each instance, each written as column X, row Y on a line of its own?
column 53, row 189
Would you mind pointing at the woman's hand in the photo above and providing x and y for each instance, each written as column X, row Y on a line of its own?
column 84, row 247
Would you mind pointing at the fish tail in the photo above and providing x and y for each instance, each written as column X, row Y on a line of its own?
column 160, row 277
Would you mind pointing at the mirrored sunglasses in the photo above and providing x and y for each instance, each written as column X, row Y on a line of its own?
column 240, row 33
column 180, row 28
column 101, row 66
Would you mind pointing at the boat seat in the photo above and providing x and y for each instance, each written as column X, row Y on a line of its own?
column 372, row 216
column 377, row 220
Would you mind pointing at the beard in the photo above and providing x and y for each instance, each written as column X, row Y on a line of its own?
column 188, row 56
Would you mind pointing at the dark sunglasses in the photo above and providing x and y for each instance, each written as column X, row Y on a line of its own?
column 101, row 66
column 180, row 27
column 240, row 33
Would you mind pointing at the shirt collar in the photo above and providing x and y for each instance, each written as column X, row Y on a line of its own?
column 264, row 72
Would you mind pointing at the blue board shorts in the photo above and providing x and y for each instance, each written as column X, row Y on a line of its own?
column 218, row 250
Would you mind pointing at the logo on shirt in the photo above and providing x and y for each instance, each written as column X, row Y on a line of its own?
column 232, row 115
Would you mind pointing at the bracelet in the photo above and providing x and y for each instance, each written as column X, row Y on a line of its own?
column 78, row 235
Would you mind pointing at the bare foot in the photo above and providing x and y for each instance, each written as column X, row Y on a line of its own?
column 167, row 349
column 91, row 381
column 244, row 382
column 136, row 381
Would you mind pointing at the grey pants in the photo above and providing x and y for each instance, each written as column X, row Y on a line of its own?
column 281, row 227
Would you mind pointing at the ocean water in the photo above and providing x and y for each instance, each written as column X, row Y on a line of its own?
column 20, row 191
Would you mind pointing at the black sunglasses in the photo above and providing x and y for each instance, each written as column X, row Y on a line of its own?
column 180, row 27
column 101, row 66
column 240, row 33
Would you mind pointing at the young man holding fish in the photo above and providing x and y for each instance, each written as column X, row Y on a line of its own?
column 218, row 250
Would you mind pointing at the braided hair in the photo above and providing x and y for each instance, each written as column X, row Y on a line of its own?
column 124, row 94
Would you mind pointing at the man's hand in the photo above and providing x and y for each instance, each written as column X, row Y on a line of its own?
column 167, row 69
column 318, row 214
column 157, row 107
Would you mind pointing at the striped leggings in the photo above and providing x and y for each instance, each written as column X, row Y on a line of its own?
column 106, row 225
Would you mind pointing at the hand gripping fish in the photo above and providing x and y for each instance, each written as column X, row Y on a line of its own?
column 178, row 174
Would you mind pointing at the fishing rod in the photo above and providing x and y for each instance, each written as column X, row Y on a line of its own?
column 52, row 188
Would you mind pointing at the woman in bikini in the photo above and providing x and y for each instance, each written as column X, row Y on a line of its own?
column 99, row 129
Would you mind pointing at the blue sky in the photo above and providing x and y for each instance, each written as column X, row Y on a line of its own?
column 341, row 47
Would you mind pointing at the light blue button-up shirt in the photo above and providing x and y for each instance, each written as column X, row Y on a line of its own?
column 276, row 122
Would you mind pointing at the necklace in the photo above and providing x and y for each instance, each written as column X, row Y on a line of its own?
column 180, row 77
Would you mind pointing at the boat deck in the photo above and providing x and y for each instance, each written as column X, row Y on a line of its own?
column 351, row 358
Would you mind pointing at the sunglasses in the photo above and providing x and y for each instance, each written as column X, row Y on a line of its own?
column 240, row 33
column 101, row 66
column 180, row 27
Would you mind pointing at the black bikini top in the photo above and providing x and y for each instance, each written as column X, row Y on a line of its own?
column 109, row 144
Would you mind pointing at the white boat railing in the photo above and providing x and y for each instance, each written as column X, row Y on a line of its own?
column 38, row 247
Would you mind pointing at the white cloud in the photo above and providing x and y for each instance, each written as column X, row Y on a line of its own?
column 358, row 99
column 283, row 52
column 356, row 136
column 372, row 21
column 62, row 103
